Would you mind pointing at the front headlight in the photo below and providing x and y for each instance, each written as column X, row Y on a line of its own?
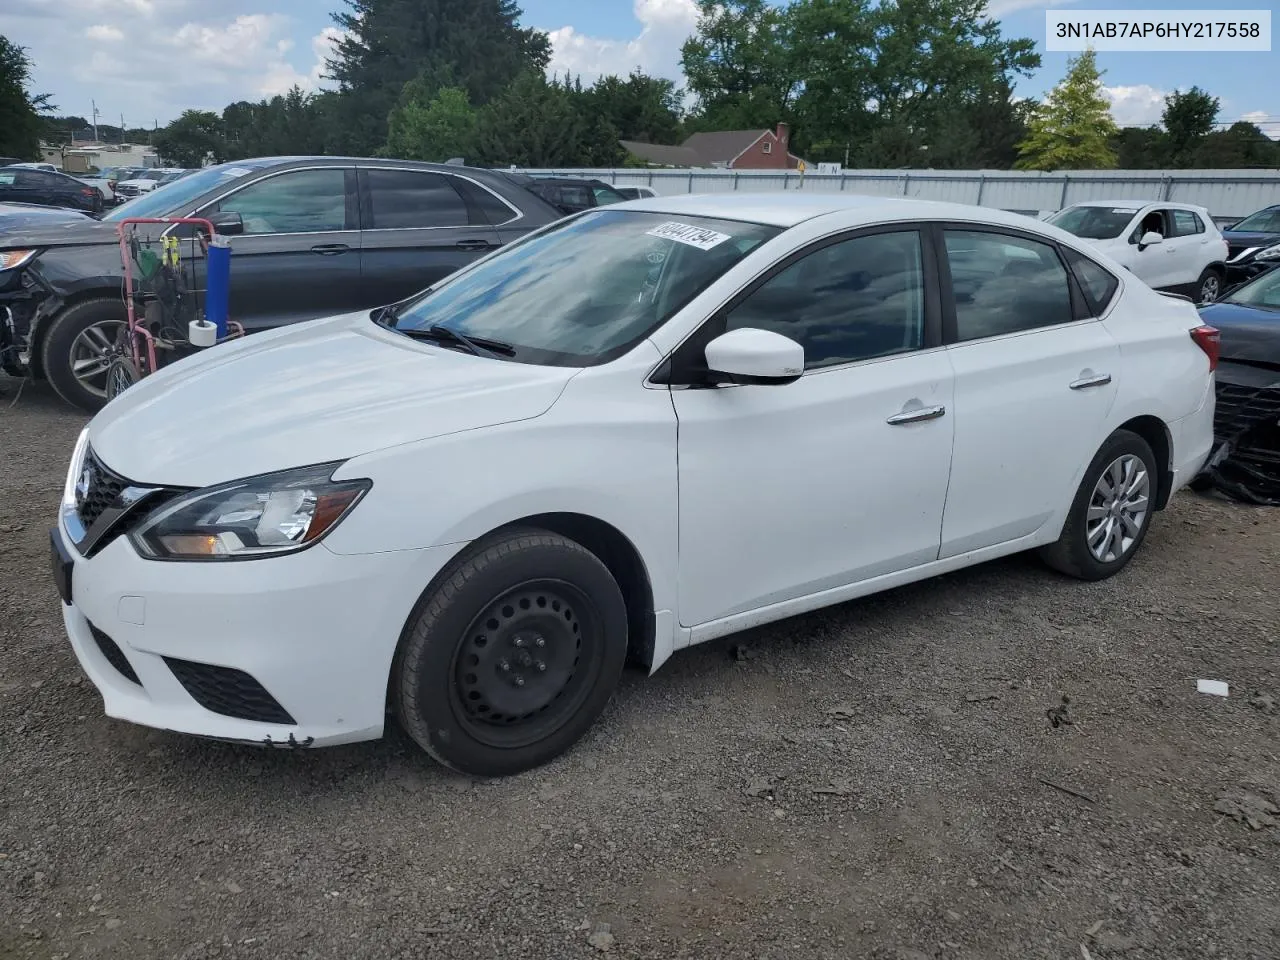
column 1269, row 253
column 12, row 259
column 257, row 517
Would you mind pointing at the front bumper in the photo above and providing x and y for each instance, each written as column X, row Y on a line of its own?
column 284, row 651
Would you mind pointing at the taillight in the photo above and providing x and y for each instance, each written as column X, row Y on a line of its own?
column 1209, row 340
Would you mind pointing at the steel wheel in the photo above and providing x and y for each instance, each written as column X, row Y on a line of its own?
column 92, row 354
column 522, row 669
column 1118, row 508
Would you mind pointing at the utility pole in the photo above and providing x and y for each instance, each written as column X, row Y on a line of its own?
column 94, row 104
column 122, row 128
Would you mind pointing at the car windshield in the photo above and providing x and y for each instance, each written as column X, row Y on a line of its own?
column 1264, row 221
column 1262, row 292
column 589, row 288
column 1094, row 223
column 172, row 199
column 606, row 196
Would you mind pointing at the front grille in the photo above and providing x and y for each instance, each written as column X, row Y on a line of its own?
column 1241, row 407
column 115, row 656
column 228, row 692
column 97, row 488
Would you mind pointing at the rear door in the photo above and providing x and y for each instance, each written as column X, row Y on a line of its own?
column 1036, row 373
column 419, row 227
column 299, row 255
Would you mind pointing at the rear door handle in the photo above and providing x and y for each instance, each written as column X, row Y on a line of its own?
column 916, row 416
column 1085, row 383
column 473, row 245
column 330, row 249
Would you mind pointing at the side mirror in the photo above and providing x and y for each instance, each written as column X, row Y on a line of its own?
column 753, row 356
column 227, row 222
column 1150, row 238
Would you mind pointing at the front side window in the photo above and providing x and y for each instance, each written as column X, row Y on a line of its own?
column 852, row 300
column 1094, row 223
column 1153, row 221
column 305, row 201
column 400, row 199
column 1005, row 284
column 588, row 289
column 175, row 199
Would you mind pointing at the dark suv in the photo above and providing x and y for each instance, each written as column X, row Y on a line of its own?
column 1253, row 244
column 313, row 237
column 27, row 185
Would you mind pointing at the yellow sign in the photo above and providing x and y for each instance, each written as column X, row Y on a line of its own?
column 800, row 167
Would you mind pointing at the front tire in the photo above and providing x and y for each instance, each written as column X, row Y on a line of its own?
column 512, row 656
column 1111, row 512
column 79, row 347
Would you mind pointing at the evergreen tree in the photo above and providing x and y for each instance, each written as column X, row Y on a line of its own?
column 20, row 122
column 438, row 129
column 1072, row 128
column 475, row 45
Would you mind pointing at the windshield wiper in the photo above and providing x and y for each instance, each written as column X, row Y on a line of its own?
column 477, row 346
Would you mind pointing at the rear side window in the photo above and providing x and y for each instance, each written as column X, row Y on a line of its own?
column 403, row 199
column 1186, row 224
column 487, row 207
column 1097, row 282
column 1005, row 284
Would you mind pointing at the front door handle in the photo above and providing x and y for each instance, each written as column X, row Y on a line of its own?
column 916, row 416
column 473, row 245
column 1101, row 380
column 330, row 249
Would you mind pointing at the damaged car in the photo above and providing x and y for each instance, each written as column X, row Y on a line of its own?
column 1245, row 464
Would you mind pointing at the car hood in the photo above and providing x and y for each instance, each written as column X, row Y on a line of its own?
column 309, row 393
column 55, row 232
column 1248, row 333
column 1250, row 239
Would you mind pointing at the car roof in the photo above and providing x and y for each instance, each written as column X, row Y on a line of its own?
column 790, row 208
column 1141, row 204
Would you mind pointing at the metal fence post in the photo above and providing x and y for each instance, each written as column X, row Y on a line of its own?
column 690, row 190
column 1168, row 189
column 1062, row 200
column 651, row 178
column 982, row 182
column 735, row 179
column 906, row 180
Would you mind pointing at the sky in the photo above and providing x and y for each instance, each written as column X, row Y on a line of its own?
column 149, row 59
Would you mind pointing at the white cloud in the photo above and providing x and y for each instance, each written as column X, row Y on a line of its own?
column 664, row 27
column 1139, row 105
column 104, row 33
column 999, row 8
column 1265, row 122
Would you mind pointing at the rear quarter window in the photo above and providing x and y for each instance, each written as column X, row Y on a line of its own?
column 1097, row 282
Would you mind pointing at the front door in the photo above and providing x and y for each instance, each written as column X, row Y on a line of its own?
column 299, row 255
column 1033, row 388
column 841, row 476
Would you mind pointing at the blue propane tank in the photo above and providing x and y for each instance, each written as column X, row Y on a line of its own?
column 218, row 284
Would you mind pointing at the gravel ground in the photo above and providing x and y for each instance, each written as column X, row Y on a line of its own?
column 868, row 781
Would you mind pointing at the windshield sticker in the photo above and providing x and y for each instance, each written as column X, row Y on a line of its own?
column 1124, row 209
column 7, row 179
column 689, row 235
column 235, row 172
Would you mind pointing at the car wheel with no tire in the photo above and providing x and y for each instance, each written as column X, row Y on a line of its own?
column 511, row 655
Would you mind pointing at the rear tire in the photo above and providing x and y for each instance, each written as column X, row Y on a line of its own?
column 508, row 661
column 106, row 313
column 1103, row 532
column 1209, row 286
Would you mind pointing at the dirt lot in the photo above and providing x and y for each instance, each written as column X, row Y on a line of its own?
column 867, row 782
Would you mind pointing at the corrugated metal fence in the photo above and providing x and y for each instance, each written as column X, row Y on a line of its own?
column 1227, row 194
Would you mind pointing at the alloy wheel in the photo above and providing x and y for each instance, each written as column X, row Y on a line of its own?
column 1209, row 289
column 92, row 353
column 1118, row 508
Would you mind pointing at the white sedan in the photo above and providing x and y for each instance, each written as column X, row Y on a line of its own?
column 640, row 428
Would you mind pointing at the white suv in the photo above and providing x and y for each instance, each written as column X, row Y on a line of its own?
column 1170, row 246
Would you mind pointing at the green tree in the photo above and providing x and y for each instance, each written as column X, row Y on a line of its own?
column 20, row 122
column 475, row 45
column 439, row 129
column 1240, row 146
column 640, row 107
column 191, row 139
column 1188, row 118
column 1139, row 148
column 1072, row 128
column 533, row 123
column 286, row 125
